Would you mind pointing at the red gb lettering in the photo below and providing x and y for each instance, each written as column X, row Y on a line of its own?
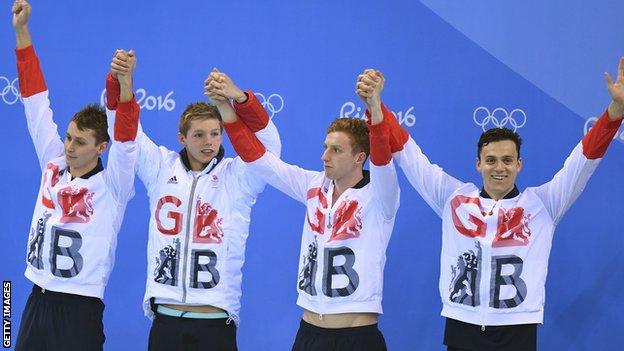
column 76, row 204
column 319, row 226
column 50, row 178
column 207, row 224
column 462, row 206
column 176, row 216
column 348, row 221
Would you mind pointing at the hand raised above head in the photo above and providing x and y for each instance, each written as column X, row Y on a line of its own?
column 21, row 12
column 369, row 86
column 219, row 83
column 123, row 63
column 616, row 90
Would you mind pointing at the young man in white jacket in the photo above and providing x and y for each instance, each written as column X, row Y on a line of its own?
column 349, row 219
column 200, row 204
column 79, row 208
column 496, row 240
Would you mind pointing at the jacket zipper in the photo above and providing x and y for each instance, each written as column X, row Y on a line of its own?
column 186, row 239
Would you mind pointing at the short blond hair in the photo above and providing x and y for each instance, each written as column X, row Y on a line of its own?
column 198, row 111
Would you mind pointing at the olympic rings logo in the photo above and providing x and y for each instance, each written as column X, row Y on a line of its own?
column 10, row 93
column 273, row 104
column 499, row 118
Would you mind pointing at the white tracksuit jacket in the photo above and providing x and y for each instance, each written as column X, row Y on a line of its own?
column 73, row 234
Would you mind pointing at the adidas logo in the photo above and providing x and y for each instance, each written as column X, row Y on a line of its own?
column 173, row 180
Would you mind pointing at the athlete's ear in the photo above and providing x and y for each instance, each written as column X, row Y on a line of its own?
column 182, row 139
column 361, row 157
column 102, row 147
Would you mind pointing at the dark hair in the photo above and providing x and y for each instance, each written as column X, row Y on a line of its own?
column 498, row 134
column 198, row 111
column 93, row 117
column 357, row 131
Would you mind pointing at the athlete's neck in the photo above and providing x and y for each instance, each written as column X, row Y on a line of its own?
column 346, row 182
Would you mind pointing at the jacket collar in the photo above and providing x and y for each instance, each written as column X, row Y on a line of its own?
column 510, row 195
column 363, row 181
column 98, row 168
column 187, row 164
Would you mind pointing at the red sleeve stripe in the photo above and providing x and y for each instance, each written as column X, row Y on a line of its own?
column 252, row 113
column 398, row 135
column 380, row 153
column 112, row 92
column 31, row 79
column 127, row 120
column 597, row 140
column 244, row 141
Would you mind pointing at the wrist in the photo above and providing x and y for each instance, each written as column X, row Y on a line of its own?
column 241, row 98
column 616, row 110
column 373, row 104
column 21, row 28
column 124, row 82
column 220, row 103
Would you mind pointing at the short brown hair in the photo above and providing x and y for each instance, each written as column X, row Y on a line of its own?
column 498, row 134
column 93, row 117
column 198, row 111
column 357, row 131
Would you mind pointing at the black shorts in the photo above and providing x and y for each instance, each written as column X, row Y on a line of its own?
column 313, row 338
column 189, row 334
column 58, row 321
column 460, row 336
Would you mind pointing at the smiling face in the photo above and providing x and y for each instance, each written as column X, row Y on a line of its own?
column 202, row 141
column 499, row 165
column 82, row 150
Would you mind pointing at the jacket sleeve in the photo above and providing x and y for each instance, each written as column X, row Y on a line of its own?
column 42, row 129
column 112, row 99
column 123, row 122
column 150, row 159
column 430, row 181
column 254, row 117
column 384, row 180
column 565, row 187
column 148, row 156
column 123, row 155
column 289, row 179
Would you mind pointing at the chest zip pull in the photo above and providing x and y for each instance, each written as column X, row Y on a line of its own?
column 483, row 328
column 320, row 316
column 492, row 209
column 329, row 221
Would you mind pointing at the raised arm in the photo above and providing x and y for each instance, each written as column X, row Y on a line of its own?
column 565, row 187
column 250, row 114
column 42, row 129
column 149, row 154
column 124, row 150
column 429, row 180
column 289, row 179
column 221, row 89
column 383, row 173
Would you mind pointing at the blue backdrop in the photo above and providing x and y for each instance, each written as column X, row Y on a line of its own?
column 446, row 65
